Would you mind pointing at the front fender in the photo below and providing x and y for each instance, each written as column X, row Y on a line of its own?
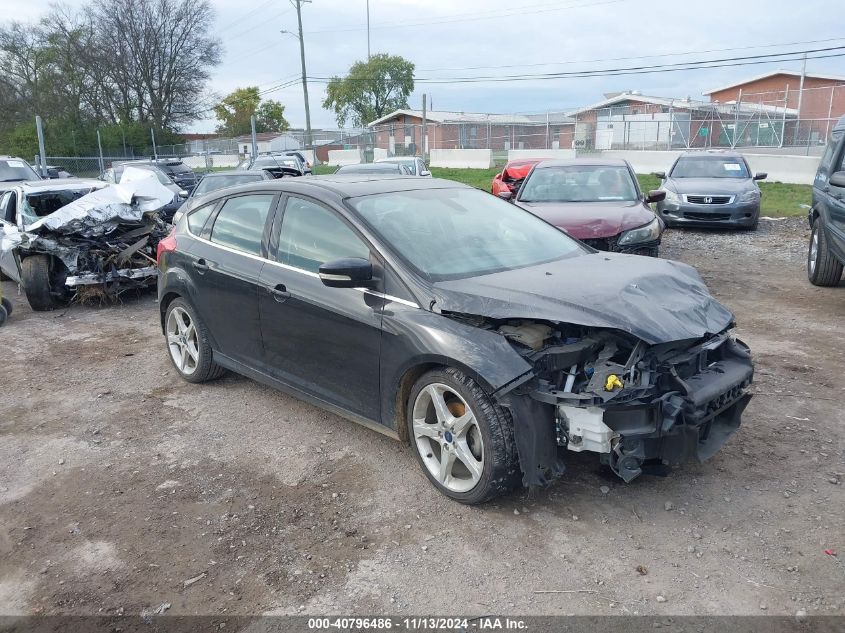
column 413, row 337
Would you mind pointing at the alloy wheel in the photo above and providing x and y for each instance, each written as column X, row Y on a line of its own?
column 814, row 250
column 448, row 437
column 182, row 341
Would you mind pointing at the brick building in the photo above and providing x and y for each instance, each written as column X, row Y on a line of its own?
column 400, row 132
column 817, row 106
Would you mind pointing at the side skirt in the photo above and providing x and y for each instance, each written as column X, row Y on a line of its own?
column 244, row 370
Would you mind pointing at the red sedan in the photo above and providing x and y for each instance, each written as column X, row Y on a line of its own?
column 512, row 175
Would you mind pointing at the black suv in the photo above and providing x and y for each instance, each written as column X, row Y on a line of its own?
column 178, row 171
column 826, row 254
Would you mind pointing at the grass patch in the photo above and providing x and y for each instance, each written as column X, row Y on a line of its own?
column 779, row 199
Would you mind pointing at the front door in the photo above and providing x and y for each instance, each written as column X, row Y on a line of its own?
column 324, row 341
column 8, row 229
column 225, row 267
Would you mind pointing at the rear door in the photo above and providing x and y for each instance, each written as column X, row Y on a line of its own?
column 225, row 266
column 323, row 341
column 835, row 204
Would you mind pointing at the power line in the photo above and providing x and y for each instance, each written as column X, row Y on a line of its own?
column 655, row 56
column 631, row 70
column 464, row 17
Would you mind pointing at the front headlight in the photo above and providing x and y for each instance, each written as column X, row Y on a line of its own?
column 672, row 197
column 646, row 233
column 752, row 195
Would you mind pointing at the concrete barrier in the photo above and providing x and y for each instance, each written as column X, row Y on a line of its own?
column 462, row 158
column 553, row 154
column 214, row 160
column 379, row 153
column 338, row 157
column 798, row 170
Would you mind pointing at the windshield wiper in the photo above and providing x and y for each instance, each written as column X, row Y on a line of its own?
column 12, row 180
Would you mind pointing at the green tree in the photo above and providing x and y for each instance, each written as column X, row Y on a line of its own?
column 370, row 90
column 236, row 109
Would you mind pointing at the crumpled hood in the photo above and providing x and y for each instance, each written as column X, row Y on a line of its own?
column 727, row 186
column 656, row 300
column 590, row 220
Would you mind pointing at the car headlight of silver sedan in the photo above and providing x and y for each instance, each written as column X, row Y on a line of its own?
column 671, row 197
column 646, row 233
column 752, row 195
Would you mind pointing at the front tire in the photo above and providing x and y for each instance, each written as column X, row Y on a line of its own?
column 188, row 344
column 42, row 283
column 823, row 269
column 462, row 439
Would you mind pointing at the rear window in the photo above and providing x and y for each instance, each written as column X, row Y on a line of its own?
column 15, row 169
column 213, row 183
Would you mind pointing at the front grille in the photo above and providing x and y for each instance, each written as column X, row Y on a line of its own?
column 707, row 217
column 709, row 199
column 603, row 243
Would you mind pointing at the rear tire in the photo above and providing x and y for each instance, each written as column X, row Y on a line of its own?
column 4, row 315
column 7, row 305
column 462, row 439
column 823, row 269
column 188, row 344
column 40, row 282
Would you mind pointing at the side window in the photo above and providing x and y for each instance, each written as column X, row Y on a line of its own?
column 827, row 158
column 240, row 223
column 312, row 235
column 197, row 219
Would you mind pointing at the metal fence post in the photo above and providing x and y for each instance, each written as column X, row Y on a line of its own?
column 42, row 161
column 155, row 151
column 254, row 139
column 100, row 147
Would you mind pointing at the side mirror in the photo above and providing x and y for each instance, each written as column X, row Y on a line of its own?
column 183, row 194
column 655, row 195
column 761, row 175
column 659, row 174
column 505, row 195
column 425, row 172
column 837, row 179
column 347, row 272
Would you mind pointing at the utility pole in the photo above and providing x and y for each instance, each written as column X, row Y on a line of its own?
column 254, row 139
column 42, row 157
column 368, row 30
column 424, row 130
column 298, row 6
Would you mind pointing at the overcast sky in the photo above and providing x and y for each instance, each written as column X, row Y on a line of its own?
column 451, row 38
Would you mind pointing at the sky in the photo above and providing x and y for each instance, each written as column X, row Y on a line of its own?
column 450, row 38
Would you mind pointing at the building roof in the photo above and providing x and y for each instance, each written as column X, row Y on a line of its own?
column 442, row 116
column 684, row 103
column 775, row 73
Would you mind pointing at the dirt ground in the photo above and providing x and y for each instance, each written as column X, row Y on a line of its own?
column 123, row 488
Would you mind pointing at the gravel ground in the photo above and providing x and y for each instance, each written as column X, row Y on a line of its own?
column 123, row 488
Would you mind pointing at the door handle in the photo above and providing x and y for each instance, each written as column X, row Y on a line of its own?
column 201, row 265
column 280, row 292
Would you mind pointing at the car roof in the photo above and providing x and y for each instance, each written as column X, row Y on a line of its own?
column 713, row 153
column 60, row 184
column 234, row 172
column 350, row 186
column 597, row 162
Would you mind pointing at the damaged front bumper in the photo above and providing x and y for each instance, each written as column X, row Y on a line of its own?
column 643, row 409
column 148, row 274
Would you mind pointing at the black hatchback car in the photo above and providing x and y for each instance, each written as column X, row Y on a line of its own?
column 436, row 313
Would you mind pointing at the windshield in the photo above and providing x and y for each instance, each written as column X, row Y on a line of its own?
column 41, row 204
column 213, row 183
column 579, row 183
column 709, row 167
column 455, row 233
column 410, row 165
column 13, row 169
column 163, row 178
column 262, row 163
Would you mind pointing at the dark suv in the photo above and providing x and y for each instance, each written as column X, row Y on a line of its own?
column 826, row 254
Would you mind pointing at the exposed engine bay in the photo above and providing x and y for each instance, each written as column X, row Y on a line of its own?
column 641, row 407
